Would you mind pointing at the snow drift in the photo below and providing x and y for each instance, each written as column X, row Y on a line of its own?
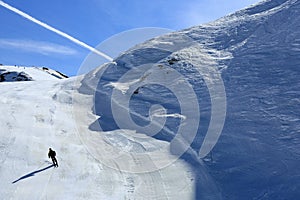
column 136, row 152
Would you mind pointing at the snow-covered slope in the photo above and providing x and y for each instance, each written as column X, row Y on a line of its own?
column 142, row 126
column 39, row 115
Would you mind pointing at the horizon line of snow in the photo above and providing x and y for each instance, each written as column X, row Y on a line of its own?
column 50, row 28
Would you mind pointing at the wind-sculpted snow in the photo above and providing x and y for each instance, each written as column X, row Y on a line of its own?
column 156, row 94
column 255, row 54
column 149, row 114
column 210, row 112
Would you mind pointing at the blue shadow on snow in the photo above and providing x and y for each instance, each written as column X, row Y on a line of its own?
column 32, row 173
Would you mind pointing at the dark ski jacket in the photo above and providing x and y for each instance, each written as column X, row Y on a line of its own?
column 51, row 153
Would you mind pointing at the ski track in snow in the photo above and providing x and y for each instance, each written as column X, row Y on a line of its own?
column 48, row 123
column 257, row 156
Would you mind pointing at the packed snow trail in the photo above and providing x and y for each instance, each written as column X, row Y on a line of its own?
column 40, row 116
column 257, row 156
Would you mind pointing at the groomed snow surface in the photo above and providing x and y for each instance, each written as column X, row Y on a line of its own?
column 257, row 53
column 38, row 115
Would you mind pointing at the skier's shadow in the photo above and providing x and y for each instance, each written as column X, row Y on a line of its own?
column 33, row 173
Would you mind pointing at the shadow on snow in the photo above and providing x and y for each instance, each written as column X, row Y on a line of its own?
column 33, row 173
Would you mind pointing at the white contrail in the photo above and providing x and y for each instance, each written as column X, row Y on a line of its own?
column 50, row 28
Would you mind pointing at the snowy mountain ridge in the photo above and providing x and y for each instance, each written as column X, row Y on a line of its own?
column 22, row 73
column 141, row 126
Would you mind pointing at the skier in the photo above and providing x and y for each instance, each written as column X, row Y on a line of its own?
column 52, row 155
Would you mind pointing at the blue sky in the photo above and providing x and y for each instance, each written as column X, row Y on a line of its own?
column 23, row 42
